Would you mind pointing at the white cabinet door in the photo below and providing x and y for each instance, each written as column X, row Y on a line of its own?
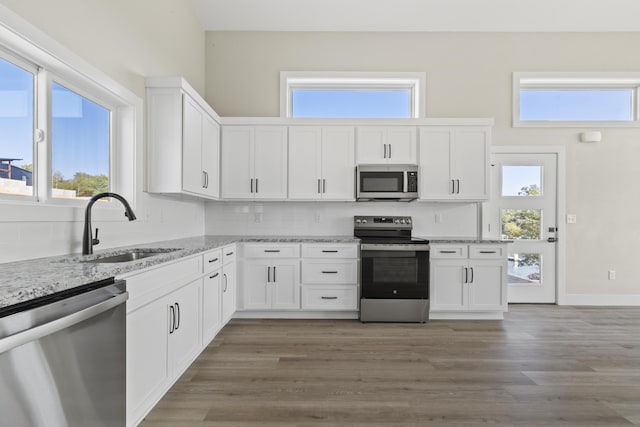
column 486, row 286
column 471, row 163
column 448, row 290
column 147, row 368
column 183, row 309
column 255, row 290
column 211, row 157
column 435, row 182
column 454, row 163
column 211, row 305
column 229, row 289
column 193, row 178
column 305, row 162
column 270, row 162
column 237, row 164
column 338, row 163
column 382, row 144
column 285, row 289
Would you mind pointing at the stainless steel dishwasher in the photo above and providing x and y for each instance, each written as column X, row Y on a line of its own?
column 62, row 359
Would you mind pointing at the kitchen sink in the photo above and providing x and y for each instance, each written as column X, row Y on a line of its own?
column 132, row 255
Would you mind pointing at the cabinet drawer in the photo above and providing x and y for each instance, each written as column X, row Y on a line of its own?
column 337, row 271
column 212, row 260
column 487, row 251
column 229, row 254
column 152, row 284
column 448, row 252
column 330, row 250
column 321, row 297
column 271, row 251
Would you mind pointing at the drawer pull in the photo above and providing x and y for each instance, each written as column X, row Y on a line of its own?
column 488, row 252
column 229, row 254
column 272, row 250
column 329, row 272
column 213, row 260
column 448, row 252
column 329, row 297
column 329, row 251
column 214, row 276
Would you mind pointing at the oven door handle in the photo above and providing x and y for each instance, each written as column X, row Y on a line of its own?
column 394, row 248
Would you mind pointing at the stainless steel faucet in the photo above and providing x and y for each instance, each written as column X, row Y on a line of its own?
column 87, row 238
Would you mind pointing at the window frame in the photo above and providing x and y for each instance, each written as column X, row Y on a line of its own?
column 21, row 41
column 346, row 80
column 576, row 81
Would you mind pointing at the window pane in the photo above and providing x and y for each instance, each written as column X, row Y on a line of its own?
column 16, row 129
column 351, row 103
column 80, row 145
column 522, row 181
column 521, row 224
column 524, row 268
column 576, row 105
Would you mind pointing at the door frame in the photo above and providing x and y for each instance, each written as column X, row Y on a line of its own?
column 561, row 244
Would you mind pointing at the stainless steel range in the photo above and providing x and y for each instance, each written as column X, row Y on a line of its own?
column 394, row 270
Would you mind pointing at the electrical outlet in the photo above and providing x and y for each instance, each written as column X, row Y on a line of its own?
column 318, row 218
column 612, row 275
column 438, row 218
column 572, row 218
column 257, row 217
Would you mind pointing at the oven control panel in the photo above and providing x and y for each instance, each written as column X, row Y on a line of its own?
column 382, row 222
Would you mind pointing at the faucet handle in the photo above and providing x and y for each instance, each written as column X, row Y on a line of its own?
column 95, row 240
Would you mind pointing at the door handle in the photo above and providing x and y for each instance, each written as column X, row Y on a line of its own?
column 319, row 189
column 466, row 275
column 256, row 185
column 225, row 283
column 172, row 321
column 214, row 276
column 324, row 185
column 251, row 185
column 178, row 317
column 552, row 240
column 385, row 150
column 453, row 186
column 471, row 281
column 389, row 150
column 328, row 297
column 458, row 183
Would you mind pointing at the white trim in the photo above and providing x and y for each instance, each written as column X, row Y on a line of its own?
column 575, row 80
column 282, row 121
column 415, row 81
column 466, row 315
column 561, row 195
column 631, row 300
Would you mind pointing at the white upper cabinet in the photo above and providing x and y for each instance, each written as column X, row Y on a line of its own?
column 183, row 140
column 321, row 163
column 454, row 163
column 254, row 162
column 386, row 144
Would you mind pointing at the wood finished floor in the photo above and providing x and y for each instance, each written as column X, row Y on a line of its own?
column 541, row 366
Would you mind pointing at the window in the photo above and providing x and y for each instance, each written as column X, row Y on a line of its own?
column 351, row 95
column 575, row 99
column 67, row 132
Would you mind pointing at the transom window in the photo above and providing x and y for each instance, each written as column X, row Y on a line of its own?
column 351, row 95
column 575, row 99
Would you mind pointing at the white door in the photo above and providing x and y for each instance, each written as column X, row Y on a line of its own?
column 270, row 162
column 305, row 153
column 236, row 164
column 523, row 208
column 338, row 163
column 285, row 287
column 211, row 157
column 192, row 174
column 401, row 145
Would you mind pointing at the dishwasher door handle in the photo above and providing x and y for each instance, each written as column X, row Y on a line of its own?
column 16, row 340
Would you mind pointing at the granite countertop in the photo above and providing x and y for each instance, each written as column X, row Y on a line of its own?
column 22, row 281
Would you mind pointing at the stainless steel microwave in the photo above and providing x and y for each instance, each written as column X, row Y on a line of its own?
column 386, row 182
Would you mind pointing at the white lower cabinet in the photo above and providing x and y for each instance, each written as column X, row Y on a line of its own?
column 183, row 326
column 468, row 279
column 211, row 305
column 229, row 283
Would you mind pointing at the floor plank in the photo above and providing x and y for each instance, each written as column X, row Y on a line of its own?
column 543, row 365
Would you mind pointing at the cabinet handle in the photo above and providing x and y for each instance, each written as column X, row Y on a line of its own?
column 229, row 254
column 389, row 150
column 178, row 316
column 329, row 272
column 272, row 250
column 251, row 185
column 274, row 275
column 471, row 275
column 448, row 252
column 256, row 185
column 213, row 260
column 326, row 251
column 214, row 276
column 319, row 190
column 466, row 275
column 268, row 274
column 224, row 276
column 172, row 315
column 204, row 179
column 385, row 151
column 324, row 185
column 453, row 186
column 329, row 297
column 488, row 252
column 458, row 182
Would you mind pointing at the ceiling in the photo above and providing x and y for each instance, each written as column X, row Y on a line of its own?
column 420, row 15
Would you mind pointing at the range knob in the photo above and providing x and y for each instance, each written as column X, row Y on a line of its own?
column 364, row 221
column 358, row 221
column 397, row 221
column 408, row 220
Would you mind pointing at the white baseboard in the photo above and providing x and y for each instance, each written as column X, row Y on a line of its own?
column 466, row 315
column 602, row 299
column 296, row 315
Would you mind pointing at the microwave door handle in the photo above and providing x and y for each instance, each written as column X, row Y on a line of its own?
column 405, row 184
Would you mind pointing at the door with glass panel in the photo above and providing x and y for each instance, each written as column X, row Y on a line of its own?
column 523, row 209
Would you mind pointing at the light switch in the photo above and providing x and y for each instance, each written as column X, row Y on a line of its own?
column 572, row 218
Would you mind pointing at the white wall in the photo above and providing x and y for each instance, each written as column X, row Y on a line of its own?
column 336, row 218
column 468, row 75
column 127, row 40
